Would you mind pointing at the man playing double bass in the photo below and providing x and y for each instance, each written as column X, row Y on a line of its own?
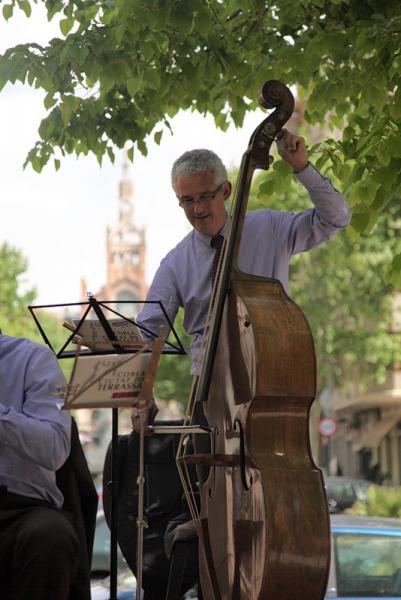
column 270, row 238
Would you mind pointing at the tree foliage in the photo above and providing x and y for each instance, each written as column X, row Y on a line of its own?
column 122, row 68
column 15, row 298
column 380, row 502
column 14, row 316
column 173, row 380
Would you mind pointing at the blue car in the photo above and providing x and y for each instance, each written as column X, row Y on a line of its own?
column 366, row 558
column 365, row 561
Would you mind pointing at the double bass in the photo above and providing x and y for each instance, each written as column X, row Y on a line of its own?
column 263, row 522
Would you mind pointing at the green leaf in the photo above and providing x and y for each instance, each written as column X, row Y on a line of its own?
column 153, row 78
column 134, row 84
column 147, row 50
column 221, row 121
column 158, row 136
column 152, row 17
column 81, row 148
column 56, row 164
column 119, row 32
column 68, row 106
column 393, row 274
column 142, row 147
column 36, row 164
column 377, row 96
column 394, row 146
column 83, row 53
column 282, row 168
column 362, row 43
column 53, row 8
column 385, row 176
column 8, row 10
column 66, row 25
column 395, row 111
column 130, row 153
column 25, row 6
column 203, row 22
column 396, row 262
column 342, row 109
column 182, row 18
column 360, row 221
column 71, row 101
column 49, row 100
column 383, row 157
column 43, row 129
column 111, row 154
column 46, row 128
column 321, row 161
column 267, row 187
column 108, row 18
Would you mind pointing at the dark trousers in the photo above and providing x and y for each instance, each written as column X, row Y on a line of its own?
column 39, row 550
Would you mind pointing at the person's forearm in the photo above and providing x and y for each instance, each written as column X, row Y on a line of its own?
column 330, row 203
column 44, row 442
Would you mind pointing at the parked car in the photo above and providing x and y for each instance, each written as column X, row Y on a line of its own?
column 365, row 559
column 343, row 492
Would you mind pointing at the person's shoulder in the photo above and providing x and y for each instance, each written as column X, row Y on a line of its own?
column 267, row 219
column 22, row 344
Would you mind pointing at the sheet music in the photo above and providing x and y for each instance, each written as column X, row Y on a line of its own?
column 92, row 334
column 105, row 381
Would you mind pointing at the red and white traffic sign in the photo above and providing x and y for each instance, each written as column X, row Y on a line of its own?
column 327, row 426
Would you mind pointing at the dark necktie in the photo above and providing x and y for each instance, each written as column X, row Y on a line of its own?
column 216, row 242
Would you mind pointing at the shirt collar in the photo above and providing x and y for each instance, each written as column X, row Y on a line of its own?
column 205, row 239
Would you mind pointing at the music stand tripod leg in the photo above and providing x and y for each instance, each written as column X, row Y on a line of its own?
column 113, row 487
column 141, row 523
column 144, row 400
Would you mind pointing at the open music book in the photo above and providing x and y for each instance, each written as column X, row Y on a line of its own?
column 113, row 380
column 92, row 335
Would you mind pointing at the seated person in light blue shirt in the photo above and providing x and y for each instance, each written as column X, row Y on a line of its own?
column 270, row 238
column 39, row 549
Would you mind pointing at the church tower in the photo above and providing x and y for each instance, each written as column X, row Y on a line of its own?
column 125, row 253
column 125, row 280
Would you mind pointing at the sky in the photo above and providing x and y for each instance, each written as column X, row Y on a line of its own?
column 58, row 219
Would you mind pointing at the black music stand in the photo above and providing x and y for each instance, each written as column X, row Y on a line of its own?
column 100, row 308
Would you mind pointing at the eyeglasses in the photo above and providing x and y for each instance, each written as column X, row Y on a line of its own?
column 189, row 202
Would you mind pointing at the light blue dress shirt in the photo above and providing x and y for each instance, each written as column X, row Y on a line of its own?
column 34, row 432
column 269, row 240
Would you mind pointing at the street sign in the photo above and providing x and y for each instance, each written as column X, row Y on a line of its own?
column 327, row 426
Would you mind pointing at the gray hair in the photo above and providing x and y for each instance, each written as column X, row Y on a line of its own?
column 198, row 161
